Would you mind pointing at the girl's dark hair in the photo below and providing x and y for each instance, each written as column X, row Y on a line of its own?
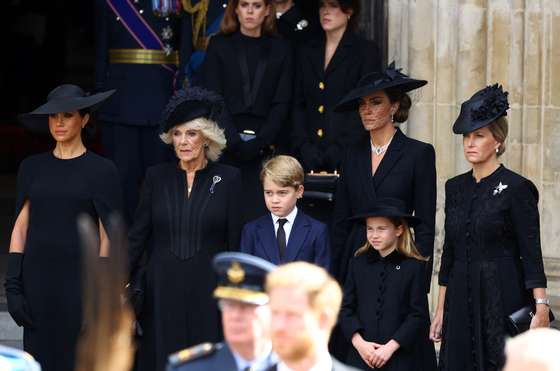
column 230, row 23
column 397, row 95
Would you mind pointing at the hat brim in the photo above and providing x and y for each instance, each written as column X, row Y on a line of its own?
column 410, row 219
column 464, row 124
column 36, row 120
column 351, row 100
column 241, row 294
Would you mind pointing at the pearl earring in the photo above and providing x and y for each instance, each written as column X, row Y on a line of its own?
column 497, row 149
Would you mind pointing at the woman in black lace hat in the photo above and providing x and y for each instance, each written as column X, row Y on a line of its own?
column 43, row 282
column 385, row 164
column 188, row 211
column 492, row 263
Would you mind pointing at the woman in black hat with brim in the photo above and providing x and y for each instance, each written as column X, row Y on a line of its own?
column 188, row 211
column 492, row 263
column 43, row 282
column 385, row 313
column 386, row 164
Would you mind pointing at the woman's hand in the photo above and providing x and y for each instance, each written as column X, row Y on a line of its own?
column 365, row 349
column 436, row 327
column 541, row 317
column 383, row 353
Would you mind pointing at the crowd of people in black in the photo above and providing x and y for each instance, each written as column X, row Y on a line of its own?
column 263, row 112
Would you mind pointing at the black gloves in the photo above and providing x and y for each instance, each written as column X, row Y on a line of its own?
column 312, row 157
column 14, row 291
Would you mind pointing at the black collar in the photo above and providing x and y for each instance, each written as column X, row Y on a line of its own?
column 394, row 258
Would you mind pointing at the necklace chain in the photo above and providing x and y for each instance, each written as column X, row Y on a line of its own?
column 378, row 150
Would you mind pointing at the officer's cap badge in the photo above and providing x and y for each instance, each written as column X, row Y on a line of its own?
column 235, row 273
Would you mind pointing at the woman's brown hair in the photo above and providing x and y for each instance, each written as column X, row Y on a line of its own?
column 397, row 95
column 499, row 130
column 405, row 243
column 230, row 23
column 351, row 8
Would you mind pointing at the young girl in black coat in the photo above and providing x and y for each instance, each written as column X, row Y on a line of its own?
column 385, row 310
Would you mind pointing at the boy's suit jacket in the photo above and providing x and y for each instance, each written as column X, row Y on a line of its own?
column 308, row 241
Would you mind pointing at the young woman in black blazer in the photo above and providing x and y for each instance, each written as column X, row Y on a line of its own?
column 252, row 69
column 384, row 312
column 387, row 164
column 326, row 70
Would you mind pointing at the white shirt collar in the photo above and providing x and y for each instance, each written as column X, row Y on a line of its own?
column 324, row 363
column 258, row 364
column 291, row 217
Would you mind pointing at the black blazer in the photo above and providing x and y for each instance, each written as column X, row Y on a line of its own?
column 384, row 299
column 317, row 90
column 260, row 104
column 407, row 172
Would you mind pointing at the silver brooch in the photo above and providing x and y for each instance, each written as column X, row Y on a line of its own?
column 398, row 267
column 167, row 33
column 215, row 180
column 499, row 188
column 302, row 24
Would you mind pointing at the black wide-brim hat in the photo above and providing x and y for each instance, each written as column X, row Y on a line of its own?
column 390, row 78
column 63, row 98
column 190, row 104
column 241, row 277
column 483, row 108
column 387, row 207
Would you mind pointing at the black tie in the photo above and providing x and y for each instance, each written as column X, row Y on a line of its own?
column 281, row 237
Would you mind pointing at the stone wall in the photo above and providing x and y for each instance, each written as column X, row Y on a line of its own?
column 460, row 46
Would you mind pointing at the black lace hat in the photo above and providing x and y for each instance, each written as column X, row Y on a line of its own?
column 241, row 277
column 483, row 108
column 391, row 77
column 191, row 104
column 387, row 207
column 63, row 98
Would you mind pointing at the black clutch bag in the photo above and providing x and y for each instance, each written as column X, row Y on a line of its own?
column 320, row 186
column 520, row 320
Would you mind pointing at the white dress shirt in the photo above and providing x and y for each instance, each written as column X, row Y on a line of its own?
column 291, row 217
column 262, row 363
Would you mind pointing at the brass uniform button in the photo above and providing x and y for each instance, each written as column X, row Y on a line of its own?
column 320, row 133
column 322, row 85
column 321, row 109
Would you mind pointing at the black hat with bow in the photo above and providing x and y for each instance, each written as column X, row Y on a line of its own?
column 483, row 108
column 390, row 78
column 387, row 207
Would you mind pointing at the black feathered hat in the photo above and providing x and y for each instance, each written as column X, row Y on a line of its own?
column 389, row 78
column 63, row 98
column 483, row 108
column 387, row 207
column 191, row 104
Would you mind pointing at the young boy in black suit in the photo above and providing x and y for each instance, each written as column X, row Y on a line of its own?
column 286, row 234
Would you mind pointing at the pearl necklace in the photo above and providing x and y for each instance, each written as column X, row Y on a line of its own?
column 378, row 150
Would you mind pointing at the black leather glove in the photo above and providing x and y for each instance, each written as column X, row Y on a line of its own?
column 311, row 157
column 333, row 155
column 17, row 306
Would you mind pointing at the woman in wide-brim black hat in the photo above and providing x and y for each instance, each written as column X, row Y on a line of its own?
column 384, row 314
column 492, row 263
column 386, row 164
column 43, row 282
column 190, row 209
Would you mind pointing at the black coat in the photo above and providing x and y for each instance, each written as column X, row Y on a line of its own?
column 491, row 261
column 384, row 299
column 407, row 172
column 319, row 133
column 182, row 235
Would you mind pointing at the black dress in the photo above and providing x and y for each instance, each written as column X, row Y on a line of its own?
column 406, row 172
column 184, row 233
column 58, row 192
column 384, row 299
column 491, row 261
column 321, row 135
column 254, row 75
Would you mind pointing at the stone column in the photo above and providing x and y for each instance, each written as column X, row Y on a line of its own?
column 460, row 46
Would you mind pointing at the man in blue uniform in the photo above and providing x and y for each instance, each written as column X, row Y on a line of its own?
column 138, row 43
column 245, row 320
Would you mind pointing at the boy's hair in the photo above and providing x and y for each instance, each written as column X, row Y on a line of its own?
column 284, row 171
column 405, row 243
column 322, row 291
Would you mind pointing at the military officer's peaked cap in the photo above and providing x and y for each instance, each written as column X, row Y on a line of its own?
column 241, row 277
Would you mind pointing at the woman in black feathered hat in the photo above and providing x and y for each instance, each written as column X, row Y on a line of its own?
column 384, row 313
column 188, row 212
column 43, row 281
column 492, row 263
column 385, row 164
